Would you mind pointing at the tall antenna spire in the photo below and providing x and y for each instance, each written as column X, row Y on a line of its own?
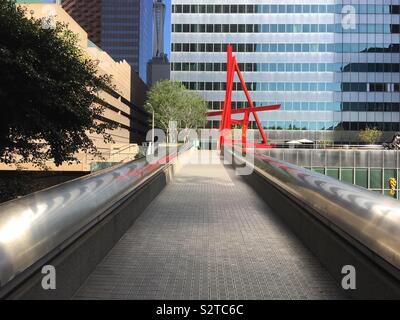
column 159, row 20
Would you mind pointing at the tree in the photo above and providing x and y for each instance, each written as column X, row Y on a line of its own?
column 48, row 90
column 370, row 135
column 193, row 115
column 171, row 101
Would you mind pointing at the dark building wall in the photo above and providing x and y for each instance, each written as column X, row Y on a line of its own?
column 139, row 117
column 145, row 36
column 122, row 28
column 158, row 69
column 127, row 31
column 88, row 14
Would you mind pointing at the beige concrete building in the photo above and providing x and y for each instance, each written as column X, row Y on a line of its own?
column 117, row 104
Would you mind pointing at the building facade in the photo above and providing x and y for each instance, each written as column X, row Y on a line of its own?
column 158, row 28
column 123, row 28
column 158, row 67
column 88, row 15
column 139, row 116
column 333, row 65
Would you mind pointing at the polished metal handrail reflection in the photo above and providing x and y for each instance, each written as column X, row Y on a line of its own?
column 35, row 225
column 373, row 220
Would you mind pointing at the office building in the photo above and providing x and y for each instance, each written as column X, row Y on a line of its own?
column 158, row 28
column 88, row 14
column 158, row 66
column 123, row 28
column 158, row 69
column 333, row 65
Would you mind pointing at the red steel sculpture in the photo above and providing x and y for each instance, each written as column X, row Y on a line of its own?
column 226, row 113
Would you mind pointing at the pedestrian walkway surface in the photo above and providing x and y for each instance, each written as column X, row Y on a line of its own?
column 209, row 236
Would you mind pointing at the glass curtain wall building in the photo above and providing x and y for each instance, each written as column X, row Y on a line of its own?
column 333, row 65
column 123, row 28
column 127, row 32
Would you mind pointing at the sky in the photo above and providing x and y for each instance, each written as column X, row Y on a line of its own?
column 167, row 31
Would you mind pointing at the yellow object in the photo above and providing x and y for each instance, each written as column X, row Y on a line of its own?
column 393, row 186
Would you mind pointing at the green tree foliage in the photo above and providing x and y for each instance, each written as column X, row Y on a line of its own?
column 370, row 135
column 48, row 87
column 171, row 101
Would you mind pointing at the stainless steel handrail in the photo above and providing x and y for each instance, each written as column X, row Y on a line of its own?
column 35, row 225
column 373, row 220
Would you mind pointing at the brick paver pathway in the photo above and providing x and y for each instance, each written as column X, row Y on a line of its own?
column 209, row 236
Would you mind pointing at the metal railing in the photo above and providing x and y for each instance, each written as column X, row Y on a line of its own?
column 377, row 166
column 370, row 219
column 337, row 158
column 41, row 224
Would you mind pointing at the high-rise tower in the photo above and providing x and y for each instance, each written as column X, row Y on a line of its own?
column 332, row 64
column 158, row 68
column 158, row 31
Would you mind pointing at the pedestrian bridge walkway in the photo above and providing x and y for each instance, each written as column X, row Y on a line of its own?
column 209, row 236
column 152, row 230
